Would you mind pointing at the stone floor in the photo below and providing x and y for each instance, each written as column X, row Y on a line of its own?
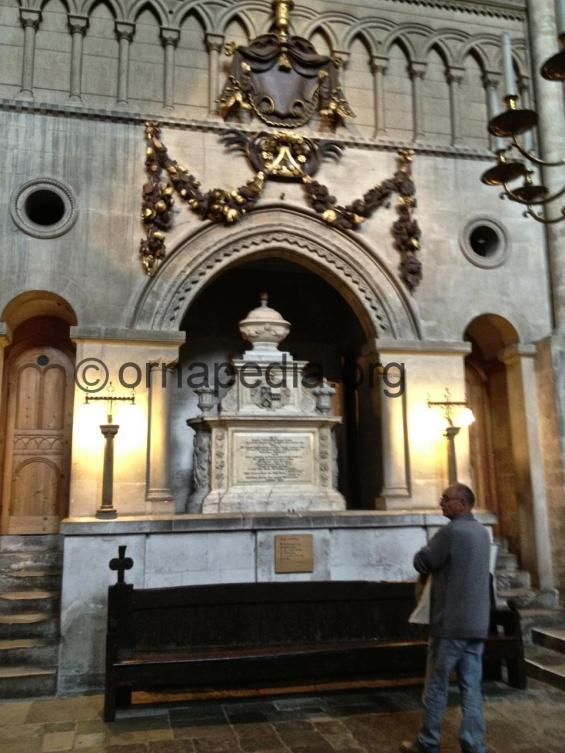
column 373, row 721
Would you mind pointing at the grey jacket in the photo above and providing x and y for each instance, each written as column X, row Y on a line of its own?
column 458, row 558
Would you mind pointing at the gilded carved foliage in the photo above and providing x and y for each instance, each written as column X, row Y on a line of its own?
column 405, row 230
column 167, row 177
column 281, row 156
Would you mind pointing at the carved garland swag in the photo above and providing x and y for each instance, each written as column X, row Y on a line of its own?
column 166, row 177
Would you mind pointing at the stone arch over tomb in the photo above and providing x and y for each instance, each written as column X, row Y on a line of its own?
column 349, row 264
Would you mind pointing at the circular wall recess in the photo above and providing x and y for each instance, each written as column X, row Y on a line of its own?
column 43, row 208
column 484, row 242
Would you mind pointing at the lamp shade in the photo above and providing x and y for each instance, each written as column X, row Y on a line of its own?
column 464, row 417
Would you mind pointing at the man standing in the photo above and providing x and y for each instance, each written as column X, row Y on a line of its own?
column 458, row 559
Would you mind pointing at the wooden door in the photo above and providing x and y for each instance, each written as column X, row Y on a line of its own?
column 38, row 435
column 480, row 438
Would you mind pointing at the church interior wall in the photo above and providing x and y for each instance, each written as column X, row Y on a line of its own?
column 417, row 75
column 107, row 179
column 435, row 65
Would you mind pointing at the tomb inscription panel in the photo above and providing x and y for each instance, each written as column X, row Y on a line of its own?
column 273, row 457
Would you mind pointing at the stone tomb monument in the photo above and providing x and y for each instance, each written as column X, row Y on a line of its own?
column 268, row 445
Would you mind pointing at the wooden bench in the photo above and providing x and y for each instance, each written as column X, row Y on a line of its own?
column 266, row 634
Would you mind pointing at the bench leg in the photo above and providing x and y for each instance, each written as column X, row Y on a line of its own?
column 110, row 701
column 123, row 696
column 517, row 677
column 492, row 670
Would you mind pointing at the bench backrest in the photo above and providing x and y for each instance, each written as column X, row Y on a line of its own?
column 259, row 614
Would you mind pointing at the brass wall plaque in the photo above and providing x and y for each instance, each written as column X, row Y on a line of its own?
column 294, row 554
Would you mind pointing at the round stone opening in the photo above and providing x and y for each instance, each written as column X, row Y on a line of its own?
column 45, row 207
column 484, row 241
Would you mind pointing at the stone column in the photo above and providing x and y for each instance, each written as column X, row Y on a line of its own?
column 124, row 32
column 524, row 85
column 78, row 26
column 159, row 494
column 528, row 460
column 417, row 73
column 214, row 45
column 30, row 20
column 491, row 82
column 169, row 38
column 341, row 57
column 395, row 489
column 396, row 486
column 454, row 80
column 5, row 339
column 379, row 67
column 549, row 96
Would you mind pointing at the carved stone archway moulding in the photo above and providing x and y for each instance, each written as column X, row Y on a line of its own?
column 349, row 265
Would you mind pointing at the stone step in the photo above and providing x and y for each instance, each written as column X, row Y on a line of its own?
column 28, row 625
column 540, row 618
column 23, row 682
column 502, row 544
column 529, row 598
column 546, row 665
column 506, row 579
column 552, row 638
column 29, row 600
column 28, row 651
column 31, row 560
column 16, row 543
column 48, row 579
column 506, row 561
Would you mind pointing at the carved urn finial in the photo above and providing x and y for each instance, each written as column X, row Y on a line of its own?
column 264, row 328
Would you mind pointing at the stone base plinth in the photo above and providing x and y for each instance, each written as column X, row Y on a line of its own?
column 179, row 550
column 280, row 499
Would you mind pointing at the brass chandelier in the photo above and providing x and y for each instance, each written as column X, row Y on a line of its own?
column 515, row 122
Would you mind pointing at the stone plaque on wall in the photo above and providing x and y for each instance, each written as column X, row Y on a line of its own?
column 273, row 457
column 294, row 554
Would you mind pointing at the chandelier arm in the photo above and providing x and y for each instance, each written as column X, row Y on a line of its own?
column 541, row 202
column 540, row 218
column 532, row 157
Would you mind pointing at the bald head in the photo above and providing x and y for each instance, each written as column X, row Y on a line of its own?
column 456, row 500
column 464, row 493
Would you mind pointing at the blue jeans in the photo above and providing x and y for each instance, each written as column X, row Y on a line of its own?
column 465, row 657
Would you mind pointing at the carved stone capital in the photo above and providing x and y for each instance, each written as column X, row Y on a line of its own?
column 30, row 18
column 379, row 64
column 341, row 58
column 5, row 336
column 417, row 69
column 455, row 74
column 491, row 79
column 78, row 24
column 170, row 36
column 161, row 363
column 125, row 30
column 214, row 42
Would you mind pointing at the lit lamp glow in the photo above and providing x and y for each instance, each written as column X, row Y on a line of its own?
column 454, row 421
column 109, row 430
